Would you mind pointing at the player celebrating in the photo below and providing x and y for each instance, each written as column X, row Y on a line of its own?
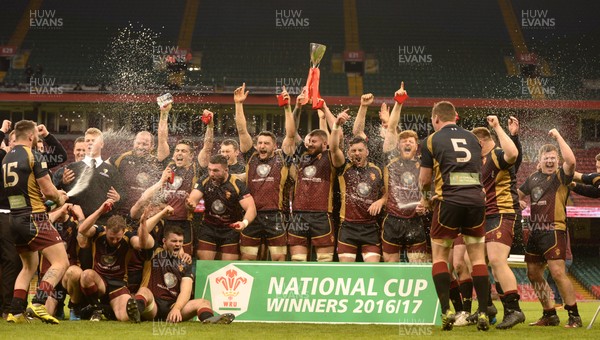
column 502, row 206
column 548, row 188
column 167, row 287
column 362, row 197
column 266, row 176
column 459, row 205
column 230, row 208
column 26, row 184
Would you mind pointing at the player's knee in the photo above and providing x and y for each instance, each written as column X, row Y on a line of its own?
column 249, row 250
column 371, row 257
column 299, row 257
column 473, row 239
column 324, row 257
column 347, row 257
column 202, row 303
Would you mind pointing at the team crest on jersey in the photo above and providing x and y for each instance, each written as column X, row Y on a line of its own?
column 108, row 260
column 142, row 179
column 263, row 170
column 536, row 193
column 408, row 179
column 170, row 280
column 310, row 171
column 177, row 182
column 557, row 251
column 218, row 207
column 363, row 189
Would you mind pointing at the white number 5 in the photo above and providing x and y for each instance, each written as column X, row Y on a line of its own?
column 7, row 170
column 455, row 142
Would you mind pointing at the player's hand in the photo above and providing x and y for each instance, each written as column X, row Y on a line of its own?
column 190, row 205
column 401, row 91
column 174, row 315
column 77, row 213
column 513, row 126
column 6, row 124
column 62, row 198
column 166, row 175
column 113, row 194
column 239, row 225
column 523, row 205
column 240, row 94
column 421, row 210
column 342, row 118
column 366, row 99
column 285, row 95
column 301, row 99
column 375, row 208
column 165, row 109
column 68, row 176
column 493, row 121
column 168, row 211
column 107, row 205
column 554, row 134
column 185, row 257
column 42, row 131
column 384, row 115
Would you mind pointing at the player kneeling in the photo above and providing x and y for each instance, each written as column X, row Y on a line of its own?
column 167, row 287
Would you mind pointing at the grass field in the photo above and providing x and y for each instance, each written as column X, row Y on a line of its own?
column 148, row 330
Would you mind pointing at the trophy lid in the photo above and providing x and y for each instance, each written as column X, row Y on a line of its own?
column 316, row 53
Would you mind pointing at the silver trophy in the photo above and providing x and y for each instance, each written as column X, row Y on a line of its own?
column 317, row 51
column 164, row 100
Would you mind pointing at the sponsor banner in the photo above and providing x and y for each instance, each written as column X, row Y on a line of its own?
column 581, row 212
column 382, row 293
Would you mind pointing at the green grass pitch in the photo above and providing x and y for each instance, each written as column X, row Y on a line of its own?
column 242, row 330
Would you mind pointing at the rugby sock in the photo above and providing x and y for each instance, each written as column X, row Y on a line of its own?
column 510, row 300
column 466, row 290
column 204, row 313
column 572, row 309
column 550, row 312
column 481, row 282
column 501, row 293
column 441, row 279
column 91, row 293
column 141, row 302
column 41, row 295
column 19, row 301
column 455, row 296
column 490, row 300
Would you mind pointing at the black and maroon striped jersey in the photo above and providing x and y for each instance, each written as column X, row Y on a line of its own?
column 163, row 275
column 359, row 187
column 401, row 178
column 314, row 182
column 111, row 262
column 549, row 194
column 21, row 167
column 177, row 192
column 454, row 154
column 222, row 201
column 500, row 183
column 266, row 179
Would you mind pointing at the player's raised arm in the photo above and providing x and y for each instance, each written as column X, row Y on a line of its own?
column 566, row 152
column 391, row 136
column 85, row 228
column 209, row 140
column 513, row 130
column 239, row 96
column 337, row 154
column 162, row 148
column 358, row 130
column 288, row 144
column 506, row 143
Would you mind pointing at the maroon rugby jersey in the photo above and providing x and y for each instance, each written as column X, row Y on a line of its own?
column 177, row 192
column 401, row 178
column 500, row 183
column 110, row 262
column 313, row 191
column 163, row 275
column 549, row 194
column 223, row 201
column 266, row 180
column 359, row 187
